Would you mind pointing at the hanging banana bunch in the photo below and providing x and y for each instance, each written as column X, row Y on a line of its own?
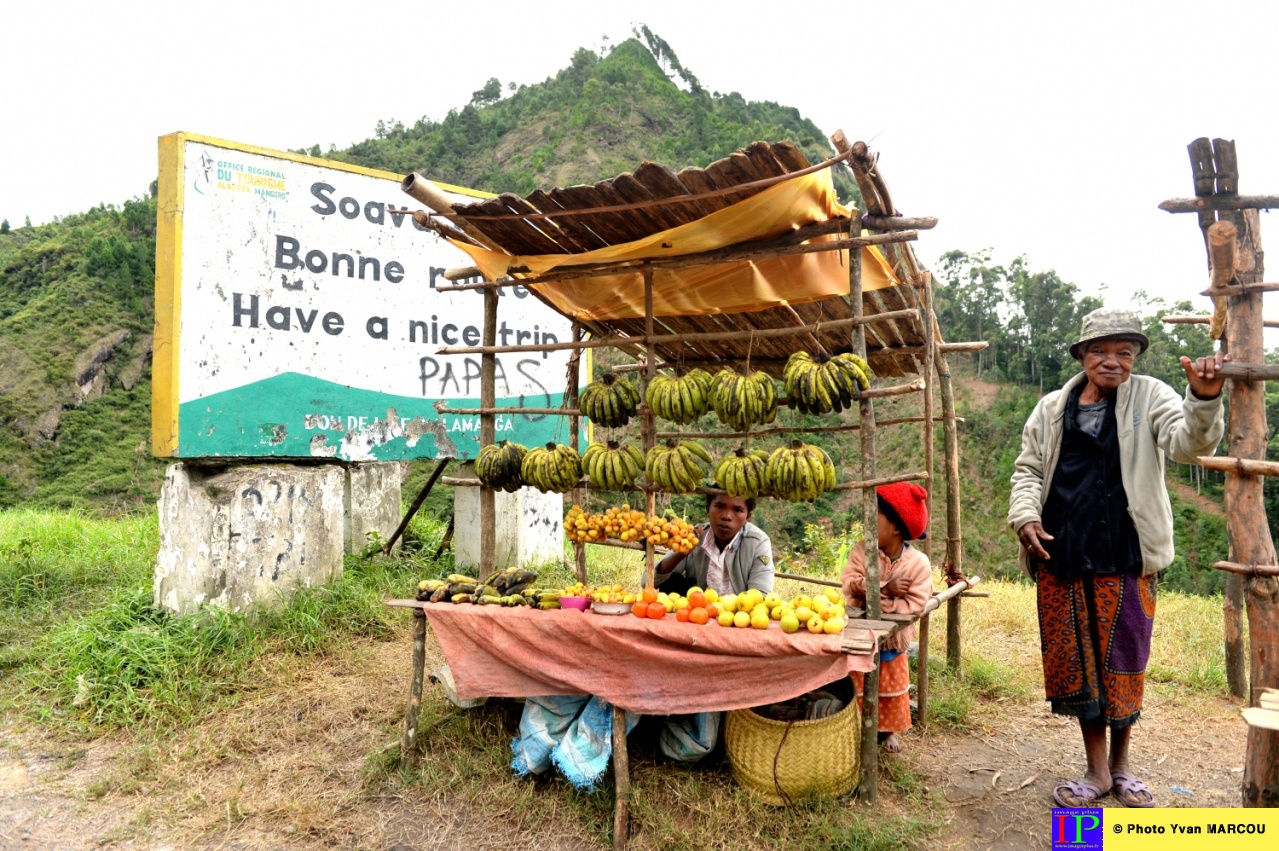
column 555, row 469
column 681, row 400
column 743, row 473
column 609, row 402
column 741, row 401
column 498, row 466
column 612, row 466
column 819, row 388
column 676, row 467
column 800, row 472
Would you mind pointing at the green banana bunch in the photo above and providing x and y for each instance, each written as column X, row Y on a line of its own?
column 680, row 400
column 512, row 580
column 676, row 467
column 743, row 473
column 800, row 472
column 427, row 587
column 819, row 388
column 498, row 466
column 609, row 402
column 555, row 469
column 612, row 466
column 741, row 401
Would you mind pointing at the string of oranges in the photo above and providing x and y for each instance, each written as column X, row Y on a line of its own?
column 624, row 523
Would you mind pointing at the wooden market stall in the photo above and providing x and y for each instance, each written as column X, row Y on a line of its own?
column 737, row 265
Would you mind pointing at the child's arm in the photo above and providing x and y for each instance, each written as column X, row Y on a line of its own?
column 917, row 577
column 854, row 576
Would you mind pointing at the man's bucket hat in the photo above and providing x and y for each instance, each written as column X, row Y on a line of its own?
column 1109, row 323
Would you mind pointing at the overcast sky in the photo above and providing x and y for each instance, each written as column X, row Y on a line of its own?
column 1050, row 130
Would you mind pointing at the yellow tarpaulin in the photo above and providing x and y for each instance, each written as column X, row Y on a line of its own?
column 735, row 287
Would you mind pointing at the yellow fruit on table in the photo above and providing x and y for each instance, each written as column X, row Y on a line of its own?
column 772, row 601
column 803, row 601
column 728, row 602
column 820, row 604
column 775, row 613
column 790, row 624
column 761, row 609
column 725, row 618
column 759, row 620
column 629, row 598
column 834, row 626
column 816, row 625
column 832, row 595
column 712, row 596
column 694, row 588
column 741, row 620
column 804, row 613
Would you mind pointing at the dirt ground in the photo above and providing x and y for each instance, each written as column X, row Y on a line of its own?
column 285, row 768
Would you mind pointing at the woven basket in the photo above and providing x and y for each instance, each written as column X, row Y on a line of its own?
column 780, row 762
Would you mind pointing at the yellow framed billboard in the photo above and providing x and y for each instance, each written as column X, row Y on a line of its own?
column 297, row 316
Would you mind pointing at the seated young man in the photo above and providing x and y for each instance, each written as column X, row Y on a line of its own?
column 734, row 555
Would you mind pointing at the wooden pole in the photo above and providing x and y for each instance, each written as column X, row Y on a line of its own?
column 1220, row 202
column 1250, row 541
column 571, row 384
column 488, row 399
column 954, row 537
column 622, row 781
column 1239, row 466
column 930, row 463
column 408, row 744
column 417, row 503
column 649, row 427
column 869, row 788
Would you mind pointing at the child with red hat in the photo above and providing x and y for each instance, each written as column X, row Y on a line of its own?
column 905, row 585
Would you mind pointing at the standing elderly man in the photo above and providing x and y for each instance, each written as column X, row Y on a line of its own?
column 1091, row 510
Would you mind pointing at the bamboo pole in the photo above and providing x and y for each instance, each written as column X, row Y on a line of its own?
column 954, row 537
column 1220, row 202
column 650, row 338
column 649, row 428
column 842, row 486
column 890, row 223
column 488, row 398
column 930, row 463
column 1239, row 466
column 408, row 744
column 869, row 788
column 570, row 400
column 733, row 254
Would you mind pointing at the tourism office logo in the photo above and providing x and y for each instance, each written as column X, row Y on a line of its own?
column 226, row 175
column 1077, row 828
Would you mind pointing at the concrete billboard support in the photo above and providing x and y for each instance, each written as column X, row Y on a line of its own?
column 247, row 536
column 372, row 503
column 529, row 528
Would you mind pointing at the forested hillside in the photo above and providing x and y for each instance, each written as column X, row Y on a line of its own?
column 76, row 296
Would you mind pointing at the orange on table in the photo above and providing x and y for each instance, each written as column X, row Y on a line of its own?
column 650, row 594
column 697, row 600
column 699, row 616
column 712, row 610
column 640, row 609
column 656, row 611
column 683, row 615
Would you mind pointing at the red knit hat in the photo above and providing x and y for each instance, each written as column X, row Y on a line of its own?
column 909, row 502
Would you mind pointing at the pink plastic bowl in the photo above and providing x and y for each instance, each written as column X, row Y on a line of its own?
column 579, row 603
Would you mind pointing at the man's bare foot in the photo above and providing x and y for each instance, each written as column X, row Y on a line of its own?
column 892, row 744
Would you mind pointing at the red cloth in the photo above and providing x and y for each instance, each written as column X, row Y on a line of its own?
column 647, row 666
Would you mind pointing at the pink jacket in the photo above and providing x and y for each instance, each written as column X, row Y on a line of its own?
column 919, row 573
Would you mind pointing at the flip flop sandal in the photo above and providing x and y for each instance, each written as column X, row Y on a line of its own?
column 1082, row 791
column 1127, row 784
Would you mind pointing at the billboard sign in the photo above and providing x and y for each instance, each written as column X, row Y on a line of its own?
column 297, row 316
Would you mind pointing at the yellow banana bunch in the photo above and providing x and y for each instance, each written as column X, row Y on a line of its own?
column 800, row 472
column 819, row 388
column 498, row 466
column 743, row 473
column 676, row 467
column 609, row 402
column 741, row 401
column 612, row 466
column 555, row 469
column 680, row 400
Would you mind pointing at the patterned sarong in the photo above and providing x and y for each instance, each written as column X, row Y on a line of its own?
column 894, row 694
column 1095, row 638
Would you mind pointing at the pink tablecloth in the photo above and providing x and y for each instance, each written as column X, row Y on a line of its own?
column 647, row 666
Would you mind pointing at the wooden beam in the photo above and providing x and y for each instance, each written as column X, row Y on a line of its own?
column 730, row 435
column 1220, row 202
column 648, row 421
column 1246, row 569
column 889, row 223
column 1204, row 320
column 1242, row 289
column 829, row 583
column 1238, row 466
column 653, row 339
column 874, row 356
column 488, row 399
column 732, row 254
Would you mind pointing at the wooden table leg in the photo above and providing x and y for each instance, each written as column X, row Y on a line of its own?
column 408, row 746
column 921, row 692
column 622, row 778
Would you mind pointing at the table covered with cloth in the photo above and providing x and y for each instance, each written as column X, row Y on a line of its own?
column 647, row 666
